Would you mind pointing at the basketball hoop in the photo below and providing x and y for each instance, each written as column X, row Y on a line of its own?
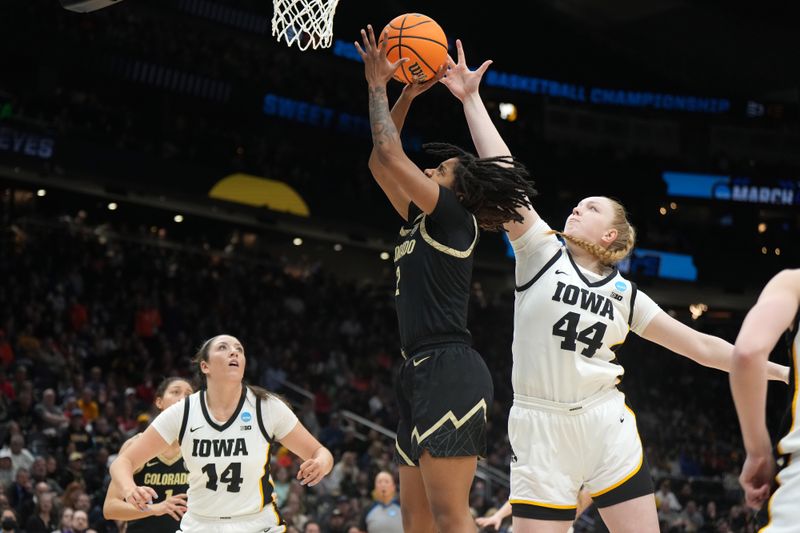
column 304, row 22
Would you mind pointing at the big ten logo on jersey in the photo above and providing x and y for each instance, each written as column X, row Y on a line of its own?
column 621, row 286
column 404, row 249
column 246, row 417
column 588, row 300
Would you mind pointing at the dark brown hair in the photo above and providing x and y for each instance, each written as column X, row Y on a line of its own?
column 491, row 188
column 166, row 382
column 200, row 378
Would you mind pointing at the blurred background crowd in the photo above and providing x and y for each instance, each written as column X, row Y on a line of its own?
column 146, row 105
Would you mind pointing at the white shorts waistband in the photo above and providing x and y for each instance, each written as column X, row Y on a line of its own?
column 529, row 402
column 266, row 511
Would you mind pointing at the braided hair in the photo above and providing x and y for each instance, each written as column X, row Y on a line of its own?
column 617, row 250
column 491, row 188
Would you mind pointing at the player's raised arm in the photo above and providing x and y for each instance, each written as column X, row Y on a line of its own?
column 387, row 146
column 464, row 83
column 397, row 196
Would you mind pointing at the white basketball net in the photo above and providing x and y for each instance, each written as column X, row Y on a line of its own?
column 304, row 22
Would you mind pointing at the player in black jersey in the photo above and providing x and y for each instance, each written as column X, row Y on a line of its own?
column 166, row 474
column 444, row 388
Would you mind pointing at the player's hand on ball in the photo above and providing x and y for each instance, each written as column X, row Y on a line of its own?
column 175, row 506
column 377, row 68
column 141, row 497
column 412, row 90
column 462, row 81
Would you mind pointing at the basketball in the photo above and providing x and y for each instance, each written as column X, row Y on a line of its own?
column 420, row 39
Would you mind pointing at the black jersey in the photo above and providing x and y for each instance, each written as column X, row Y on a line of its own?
column 433, row 267
column 167, row 478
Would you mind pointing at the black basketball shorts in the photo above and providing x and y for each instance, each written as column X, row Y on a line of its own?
column 445, row 393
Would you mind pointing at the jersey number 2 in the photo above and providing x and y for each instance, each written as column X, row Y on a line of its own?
column 592, row 337
column 231, row 476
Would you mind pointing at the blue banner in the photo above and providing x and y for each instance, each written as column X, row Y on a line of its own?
column 605, row 96
column 582, row 93
column 20, row 142
column 732, row 189
column 325, row 117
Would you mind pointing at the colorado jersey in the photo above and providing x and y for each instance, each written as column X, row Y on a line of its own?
column 433, row 269
column 568, row 321
column 228, row 461
column 790, row 443
column 168, row 478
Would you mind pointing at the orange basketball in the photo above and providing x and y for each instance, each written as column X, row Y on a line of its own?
column 421, row 40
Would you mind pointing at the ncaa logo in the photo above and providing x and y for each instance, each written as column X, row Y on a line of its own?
column 621, row 286
column 246, row 417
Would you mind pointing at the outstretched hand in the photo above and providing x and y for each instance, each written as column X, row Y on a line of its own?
column 462, row 81
column 377, row 68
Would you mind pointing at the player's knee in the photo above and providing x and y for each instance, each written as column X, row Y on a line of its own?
column 450, row 517
column 418, row 520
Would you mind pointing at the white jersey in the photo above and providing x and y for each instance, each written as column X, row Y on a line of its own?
column 228, row 461
column 790, row 443
column 568, row 321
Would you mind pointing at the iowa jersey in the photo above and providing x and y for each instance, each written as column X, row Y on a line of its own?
column 228, row 461
column 433, row 268
column 790, row 443
column 567, row 322
column 167, row 478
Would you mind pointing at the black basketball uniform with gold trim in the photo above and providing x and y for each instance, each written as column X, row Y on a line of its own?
column 167, row 478
column 443, row 387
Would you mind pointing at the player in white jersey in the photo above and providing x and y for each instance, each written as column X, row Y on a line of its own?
column 226, row 432
column 569, row 425
column 776, row 312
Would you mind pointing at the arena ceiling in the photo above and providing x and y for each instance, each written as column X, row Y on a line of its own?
column 712, row 45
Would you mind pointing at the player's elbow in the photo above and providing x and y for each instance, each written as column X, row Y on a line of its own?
column 108, row 511
column 374, row 164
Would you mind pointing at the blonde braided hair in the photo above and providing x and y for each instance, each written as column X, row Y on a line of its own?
column 617, row 250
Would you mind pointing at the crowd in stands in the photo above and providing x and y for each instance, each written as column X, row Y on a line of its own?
column 91, row 320
column 93, row 317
